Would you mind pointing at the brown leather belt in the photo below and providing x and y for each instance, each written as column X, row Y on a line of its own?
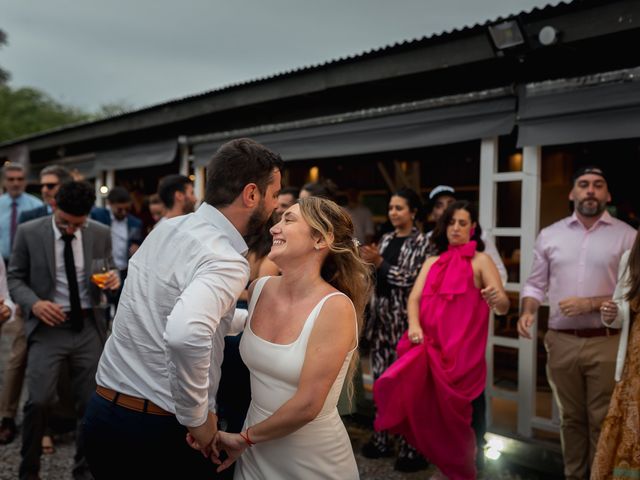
column 132, row 403
column 588, row 332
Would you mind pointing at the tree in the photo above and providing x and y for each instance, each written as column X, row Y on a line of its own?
column 113, row 109
column 4, row 75
column 25, row 111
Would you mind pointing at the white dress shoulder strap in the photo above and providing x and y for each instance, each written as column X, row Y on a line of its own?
column 257, row 290
column 318, row 308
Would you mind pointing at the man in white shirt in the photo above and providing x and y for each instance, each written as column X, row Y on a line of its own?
column 159, row 373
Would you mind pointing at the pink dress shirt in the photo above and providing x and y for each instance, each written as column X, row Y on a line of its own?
column 571, row 261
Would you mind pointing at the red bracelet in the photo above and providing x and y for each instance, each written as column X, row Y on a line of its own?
column 246, row 438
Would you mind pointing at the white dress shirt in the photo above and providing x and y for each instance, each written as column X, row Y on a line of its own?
column 119, row 241
column 61, row 295
column 623, row 319
column 177, row 305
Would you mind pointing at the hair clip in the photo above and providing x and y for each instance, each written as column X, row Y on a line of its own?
column 356, row 242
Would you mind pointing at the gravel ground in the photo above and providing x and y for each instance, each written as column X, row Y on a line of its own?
column 58, row 465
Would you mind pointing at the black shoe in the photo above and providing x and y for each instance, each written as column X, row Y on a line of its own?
column 406, row 464
column 369, row 450
column 8, row 431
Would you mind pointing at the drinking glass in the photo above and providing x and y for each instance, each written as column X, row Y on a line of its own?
column 100, row 268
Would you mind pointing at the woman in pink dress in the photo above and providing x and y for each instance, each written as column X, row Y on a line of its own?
column 426, row 394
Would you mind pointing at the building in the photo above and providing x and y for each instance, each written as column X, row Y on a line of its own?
column 503, row 110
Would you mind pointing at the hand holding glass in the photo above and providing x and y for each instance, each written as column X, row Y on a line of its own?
column 100, row 271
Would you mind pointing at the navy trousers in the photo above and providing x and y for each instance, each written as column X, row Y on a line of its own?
column 122, row 443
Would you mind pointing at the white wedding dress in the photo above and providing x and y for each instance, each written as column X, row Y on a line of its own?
column 319, row 450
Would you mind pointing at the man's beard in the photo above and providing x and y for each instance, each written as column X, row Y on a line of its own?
column 591, row 211
column 258, row 226
column 189, row 207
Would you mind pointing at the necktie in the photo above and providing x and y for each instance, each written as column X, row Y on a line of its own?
column 72, row 281
column 14, row 221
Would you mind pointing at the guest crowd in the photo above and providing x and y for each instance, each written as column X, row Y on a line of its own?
column 217, row 341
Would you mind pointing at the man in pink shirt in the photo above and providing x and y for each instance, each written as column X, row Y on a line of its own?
column 575, row 266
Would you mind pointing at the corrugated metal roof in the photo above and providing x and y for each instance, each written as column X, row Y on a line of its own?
column 407, row 43
column 553, row 7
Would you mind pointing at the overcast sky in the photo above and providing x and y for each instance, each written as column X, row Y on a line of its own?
column 142, row 52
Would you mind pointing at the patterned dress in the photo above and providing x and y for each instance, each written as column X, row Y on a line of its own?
column 618, row 452
column 388, row 310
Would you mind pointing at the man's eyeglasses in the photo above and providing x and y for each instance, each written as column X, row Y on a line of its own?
column 49, row 186
column 62, row 225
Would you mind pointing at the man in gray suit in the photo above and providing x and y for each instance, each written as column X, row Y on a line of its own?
column 50, row 278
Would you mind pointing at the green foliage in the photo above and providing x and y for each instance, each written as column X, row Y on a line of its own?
column 25, row 111
column 112, row 109
column 4, row 75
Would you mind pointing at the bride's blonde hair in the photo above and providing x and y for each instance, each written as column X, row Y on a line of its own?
column 342, row 268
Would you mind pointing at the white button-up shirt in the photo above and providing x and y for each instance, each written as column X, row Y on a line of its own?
column 176, row 307
column 61, row 295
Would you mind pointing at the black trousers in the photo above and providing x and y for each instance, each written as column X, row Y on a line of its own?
column 122, row 443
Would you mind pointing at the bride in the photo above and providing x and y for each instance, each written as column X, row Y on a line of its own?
column 299, row 344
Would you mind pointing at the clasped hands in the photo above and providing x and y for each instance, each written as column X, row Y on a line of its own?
column 211, row 442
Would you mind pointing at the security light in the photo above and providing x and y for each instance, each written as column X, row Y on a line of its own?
column 506, row 34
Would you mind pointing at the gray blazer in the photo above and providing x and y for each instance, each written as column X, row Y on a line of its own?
column 32, row 273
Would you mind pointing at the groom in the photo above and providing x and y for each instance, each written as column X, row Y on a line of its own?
column 159, row 372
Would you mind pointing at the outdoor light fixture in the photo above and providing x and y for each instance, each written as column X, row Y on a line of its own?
column 506, row 34
column 192, row 177
column 548, row 35
column 494, row 448
column 314, row 174
column 492, row 453
column 104, row 189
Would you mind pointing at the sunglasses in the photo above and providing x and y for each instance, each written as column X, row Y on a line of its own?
column 49, row 186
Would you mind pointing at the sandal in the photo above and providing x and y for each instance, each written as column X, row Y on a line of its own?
column 47, row 445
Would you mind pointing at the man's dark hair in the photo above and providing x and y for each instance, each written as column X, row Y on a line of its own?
column 155, row 199
column 234, row 165
column 439, row 236
column 171, row 184
column 295, row 192
column 323, row 189
column 76, row 198
column 59, row 171
column 118, row 195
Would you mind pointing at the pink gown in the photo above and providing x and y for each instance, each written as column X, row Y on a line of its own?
column 426, row 394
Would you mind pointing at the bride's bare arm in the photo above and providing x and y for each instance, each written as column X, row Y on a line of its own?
column 332, row 337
